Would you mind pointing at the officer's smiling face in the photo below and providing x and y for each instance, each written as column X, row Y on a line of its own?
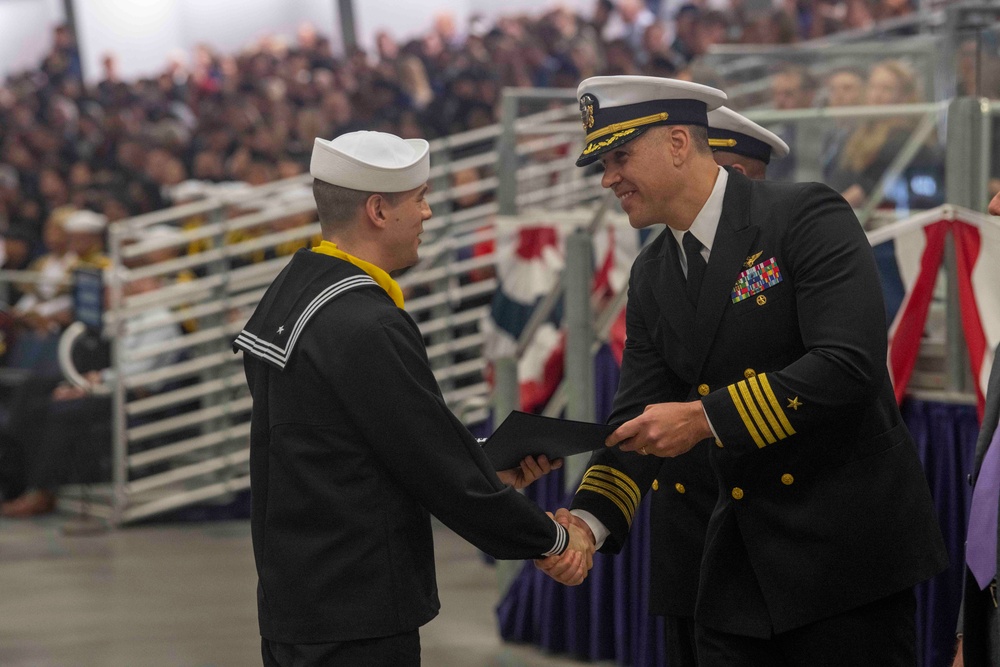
column 642, row 177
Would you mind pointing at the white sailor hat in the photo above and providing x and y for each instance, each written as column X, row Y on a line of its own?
column 162, row 232
column 617, row 109
column 85, row 222
column 232, row 192
column 730, row 132
column 190, row 190
column 371, row 162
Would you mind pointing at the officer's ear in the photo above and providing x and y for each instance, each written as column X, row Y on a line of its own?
column 736, row 166
column 679, row 139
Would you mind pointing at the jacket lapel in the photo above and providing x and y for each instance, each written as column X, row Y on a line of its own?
column 732, row 243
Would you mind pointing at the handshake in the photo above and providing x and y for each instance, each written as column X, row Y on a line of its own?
column 571, row 566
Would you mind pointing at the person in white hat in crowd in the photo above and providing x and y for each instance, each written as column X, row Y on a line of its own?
column 352, row 446
column 755, row 344
column 738, row 142
column 85, row 236
column 51, row 433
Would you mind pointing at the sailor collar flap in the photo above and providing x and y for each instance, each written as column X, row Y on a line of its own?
column 308, row 283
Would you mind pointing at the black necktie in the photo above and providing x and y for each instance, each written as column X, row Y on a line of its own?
column 696, row 266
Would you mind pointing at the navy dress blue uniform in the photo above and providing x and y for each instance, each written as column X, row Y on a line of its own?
column 352, row 448
column 686, row 486
column 822, row 506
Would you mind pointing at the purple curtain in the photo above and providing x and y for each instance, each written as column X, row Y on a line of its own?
column 606, row 617
column 945, row 435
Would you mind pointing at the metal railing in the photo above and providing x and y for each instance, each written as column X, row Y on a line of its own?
column 942, row 367
column 930, row 40
column 180, row 430
column 810, row 126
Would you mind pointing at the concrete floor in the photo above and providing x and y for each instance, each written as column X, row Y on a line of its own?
column 183, row 595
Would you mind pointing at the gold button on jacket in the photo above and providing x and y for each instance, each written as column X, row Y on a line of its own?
column 737, row 493
column 703, row 389
column 749, row 373
column 656, row 485
column 787, row 479
column 680, row 487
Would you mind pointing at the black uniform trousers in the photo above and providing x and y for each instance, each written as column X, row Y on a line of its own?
column 880, row 633
column 402, row 650
column 679, row 633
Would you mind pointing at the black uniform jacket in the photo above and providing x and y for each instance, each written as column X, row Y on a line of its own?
column 819, row 501
column 351, row 449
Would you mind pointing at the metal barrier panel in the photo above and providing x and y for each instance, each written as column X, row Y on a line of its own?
column 180, row 427
column 180, row 404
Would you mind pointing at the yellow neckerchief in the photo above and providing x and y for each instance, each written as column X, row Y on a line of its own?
column 378, row 275
column 94, row 258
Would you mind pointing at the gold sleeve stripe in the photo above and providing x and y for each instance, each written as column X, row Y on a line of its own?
column 774, row 404
column 751, row 429
column 610, row 482
column 600, row 491
column 622, row 476
column 755, row 413
column 626, row 485
column 765, row 409
column 615, row 491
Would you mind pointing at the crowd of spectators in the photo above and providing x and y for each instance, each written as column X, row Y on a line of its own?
column 118, row 147
column 125, row 147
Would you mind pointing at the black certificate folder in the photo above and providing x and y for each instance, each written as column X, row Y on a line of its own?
column 523, row 434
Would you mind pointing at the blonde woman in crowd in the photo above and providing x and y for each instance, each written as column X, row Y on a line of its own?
column 873, row 145
column 414, row 80
column 844, row 87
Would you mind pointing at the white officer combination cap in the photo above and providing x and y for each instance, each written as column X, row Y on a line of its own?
column 617, row 109
column 371, row 162
column 85, row 222
column 730, row 132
